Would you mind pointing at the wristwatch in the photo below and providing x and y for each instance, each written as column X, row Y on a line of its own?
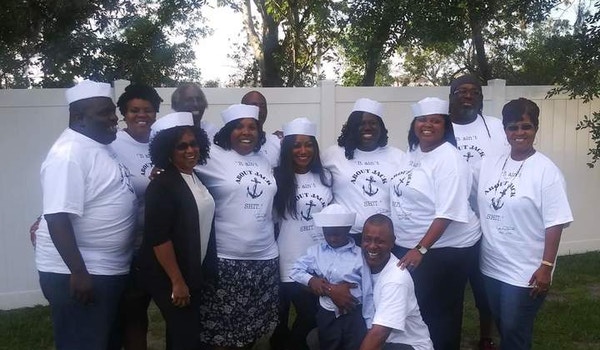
column 421, row 249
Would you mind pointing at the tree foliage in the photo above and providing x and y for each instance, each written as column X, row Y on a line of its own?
column 290, row 59
column 50, row 43
column 581, row 78
column 460, row 31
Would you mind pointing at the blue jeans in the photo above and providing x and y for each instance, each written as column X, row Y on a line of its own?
column 514, row 312
column 77, row 326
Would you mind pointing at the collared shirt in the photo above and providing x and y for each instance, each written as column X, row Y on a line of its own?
column 336, row 265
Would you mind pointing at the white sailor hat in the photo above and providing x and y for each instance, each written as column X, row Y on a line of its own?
column 300, row 126
column 428, row 106
column 239, row 111
column 171, row 120
column 88, row 89
column 368, row 105
column 334, row 215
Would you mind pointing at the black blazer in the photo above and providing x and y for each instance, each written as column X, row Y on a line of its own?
column 171, row 214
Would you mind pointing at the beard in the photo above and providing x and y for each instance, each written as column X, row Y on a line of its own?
column 462, row 114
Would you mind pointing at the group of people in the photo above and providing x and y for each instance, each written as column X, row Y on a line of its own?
column 226, row 228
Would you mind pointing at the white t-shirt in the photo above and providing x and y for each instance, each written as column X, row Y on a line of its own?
column 271, row 149
column 136, row 157
column 297, row 235
column 243, row 188
column 432, row 185
column 361, row 184
column 518, row 201
column 206, row 209
column 396, row 307
column 474, row 144
column 81, row 177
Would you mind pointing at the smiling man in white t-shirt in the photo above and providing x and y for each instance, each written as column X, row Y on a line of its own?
column 85, row 242
column 397, row 324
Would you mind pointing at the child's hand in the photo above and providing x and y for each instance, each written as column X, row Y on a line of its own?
column 319, row 286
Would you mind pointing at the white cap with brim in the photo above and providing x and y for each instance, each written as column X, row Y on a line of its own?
column 429, row 106
column 239, row 111
column 171, row 120
column 334, row 215
column 300, row 126
column 369, row 106
column 88, row 89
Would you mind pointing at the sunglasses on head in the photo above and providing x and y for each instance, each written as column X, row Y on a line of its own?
column 184, row 145
column 524, row 127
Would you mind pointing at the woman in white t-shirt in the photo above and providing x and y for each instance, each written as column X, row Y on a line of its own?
column 241, row 306
column 523, row 208
column 436, row 230
column 362, row 164
column 303, row 189
column 138, row 105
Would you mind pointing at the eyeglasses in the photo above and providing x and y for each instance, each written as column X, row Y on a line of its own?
column 524, row 127
column 184, row 145
column 464, row 92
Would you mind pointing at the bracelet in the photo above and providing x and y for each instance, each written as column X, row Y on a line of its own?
column 547, row 263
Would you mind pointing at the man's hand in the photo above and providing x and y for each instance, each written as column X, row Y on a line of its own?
column 155, row 172
column 82, row 288
column 341, row 296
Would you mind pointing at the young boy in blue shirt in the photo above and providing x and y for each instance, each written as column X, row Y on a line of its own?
column 328, row 264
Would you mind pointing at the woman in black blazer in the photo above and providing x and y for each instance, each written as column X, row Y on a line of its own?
column 178, row 251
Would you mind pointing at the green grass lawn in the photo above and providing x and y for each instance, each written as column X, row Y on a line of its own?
column 569, row 319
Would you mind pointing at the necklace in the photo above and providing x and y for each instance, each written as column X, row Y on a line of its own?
column 520, row 167
column 497, row 202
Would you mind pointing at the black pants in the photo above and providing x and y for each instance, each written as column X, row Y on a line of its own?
column 182, row 323
column 306, row 305
column 440, row 283
column 344, row 332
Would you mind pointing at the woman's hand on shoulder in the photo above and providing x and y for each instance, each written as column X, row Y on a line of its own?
column 411, row 260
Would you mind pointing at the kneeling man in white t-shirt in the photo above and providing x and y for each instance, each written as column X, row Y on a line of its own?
column 397, row 324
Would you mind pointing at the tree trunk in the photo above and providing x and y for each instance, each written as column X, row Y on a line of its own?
column 265, row 45
column 479, row 44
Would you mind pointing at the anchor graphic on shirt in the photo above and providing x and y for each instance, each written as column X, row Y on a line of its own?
column 370, row 192
column 310, row 205
column 468, row 156
column 253, row 194
column 497, row 203
column 397, row 189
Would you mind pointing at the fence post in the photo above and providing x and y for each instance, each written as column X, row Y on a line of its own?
column 497, row 95
column 119, row 88
column 327, row 113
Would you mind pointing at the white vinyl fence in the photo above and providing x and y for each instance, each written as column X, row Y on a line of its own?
column 33, row 119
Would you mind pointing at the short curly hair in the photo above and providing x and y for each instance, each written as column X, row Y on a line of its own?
column 163, row 145
column 350, row 136
column 141, row 91
column 223, row 137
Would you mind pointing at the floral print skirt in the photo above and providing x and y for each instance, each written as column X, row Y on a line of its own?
column 242, row 306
